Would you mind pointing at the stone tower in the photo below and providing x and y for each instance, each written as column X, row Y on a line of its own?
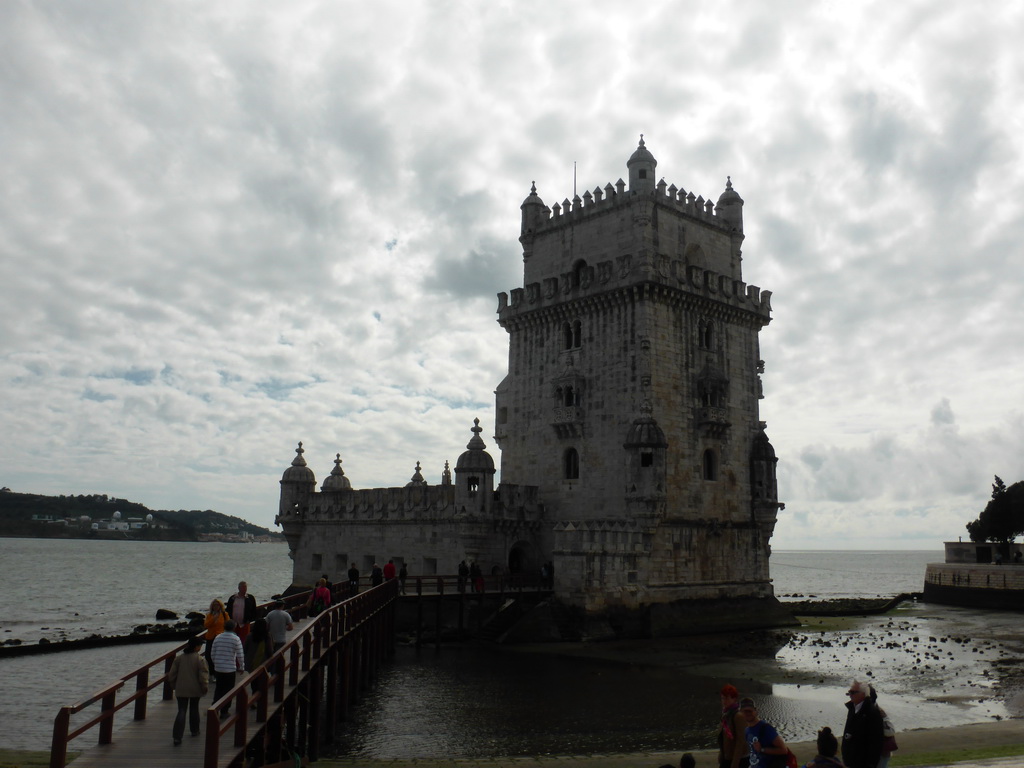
column 631, row 400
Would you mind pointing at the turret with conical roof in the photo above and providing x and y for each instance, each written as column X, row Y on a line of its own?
column 336, row 481
column 417, row 478
column 298, row 483
column 534, row 213
column 474, row 477
column 730, row 207
column 641, row 167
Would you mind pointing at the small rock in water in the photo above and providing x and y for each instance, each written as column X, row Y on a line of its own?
column 163, row 613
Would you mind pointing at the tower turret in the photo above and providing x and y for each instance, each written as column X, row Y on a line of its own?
column 641, row 167
column 417, row 478
column 474, row 477
column 298, row 483
column 534, row 212
column 730, row 207
column 336, row 481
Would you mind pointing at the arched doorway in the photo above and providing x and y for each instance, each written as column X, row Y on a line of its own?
column 523, row 564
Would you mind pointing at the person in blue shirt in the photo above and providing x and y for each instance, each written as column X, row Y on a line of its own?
column 766, row 746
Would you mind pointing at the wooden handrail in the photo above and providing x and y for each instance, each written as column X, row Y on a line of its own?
column 297, row 659
column 143, row 685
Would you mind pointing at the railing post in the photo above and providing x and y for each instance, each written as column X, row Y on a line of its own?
column 293, row 664
column 107, row 713
column 241, row 702
column 59, row 745
column 315, row 693
column 211, row 756
column 279, row 681
column 141, row 684
column 263, row 687
column 168, row 692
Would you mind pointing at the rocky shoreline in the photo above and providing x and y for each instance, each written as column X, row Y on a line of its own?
column 143, row 633
column 847, row 606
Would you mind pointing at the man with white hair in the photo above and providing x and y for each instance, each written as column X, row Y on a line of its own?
column 862, row 736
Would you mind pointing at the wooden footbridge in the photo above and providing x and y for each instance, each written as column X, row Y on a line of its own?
column 281, row 712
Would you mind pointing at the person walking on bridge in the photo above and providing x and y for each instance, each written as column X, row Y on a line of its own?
column 353, row 580
column 189, row 679
column 228, row 660
column 242, row 610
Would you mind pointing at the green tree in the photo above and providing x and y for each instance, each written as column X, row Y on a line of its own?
column 1002, row 520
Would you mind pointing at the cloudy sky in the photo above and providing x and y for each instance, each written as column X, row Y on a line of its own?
column 226, row 227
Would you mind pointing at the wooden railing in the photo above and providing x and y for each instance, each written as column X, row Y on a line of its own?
column 294, row 660
column 343, row 644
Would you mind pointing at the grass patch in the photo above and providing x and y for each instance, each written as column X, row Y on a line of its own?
column 953, row 756
column 23, row 758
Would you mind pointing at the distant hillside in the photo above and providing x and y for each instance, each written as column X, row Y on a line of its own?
column 102, row 516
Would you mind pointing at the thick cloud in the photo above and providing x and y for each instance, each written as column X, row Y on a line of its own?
column 228, row 228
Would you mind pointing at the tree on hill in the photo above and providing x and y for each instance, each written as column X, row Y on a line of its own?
column 1002, row 520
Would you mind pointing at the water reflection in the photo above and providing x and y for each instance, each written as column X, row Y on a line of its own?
column 933, row 666
column 471, row 702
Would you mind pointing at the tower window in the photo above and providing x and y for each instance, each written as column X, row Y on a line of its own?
column 571, row 464
column 569, row 397
column 643, row 173
column 503, row 415
column 710, row 465
column 646, row 459
column 566, row 336
column 579, row 269
column 577, row 334
column 473, row 484
column 706, row 335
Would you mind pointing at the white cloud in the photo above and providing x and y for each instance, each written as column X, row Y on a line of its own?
column 227, row 228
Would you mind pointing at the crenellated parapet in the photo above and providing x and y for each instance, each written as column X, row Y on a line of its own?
column 413, row 502
column 615, row 197
column 689, row 279
column 410, row 503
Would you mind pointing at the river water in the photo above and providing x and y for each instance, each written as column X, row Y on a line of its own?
column 934, row 665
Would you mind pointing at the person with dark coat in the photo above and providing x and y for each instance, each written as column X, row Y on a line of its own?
column 376, row 576
column 189, row 679
column 353, row 580
column 242, row 610
column 862, row 736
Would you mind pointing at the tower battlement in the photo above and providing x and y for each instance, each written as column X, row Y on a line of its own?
column 697, row 282
column 611, row 197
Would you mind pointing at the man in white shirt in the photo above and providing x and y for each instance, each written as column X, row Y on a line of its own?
column 228, row 660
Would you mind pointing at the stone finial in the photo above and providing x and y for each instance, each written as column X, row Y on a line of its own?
column 446, row 474
column 417, row 477
column 476, row 443
column 298, row 461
